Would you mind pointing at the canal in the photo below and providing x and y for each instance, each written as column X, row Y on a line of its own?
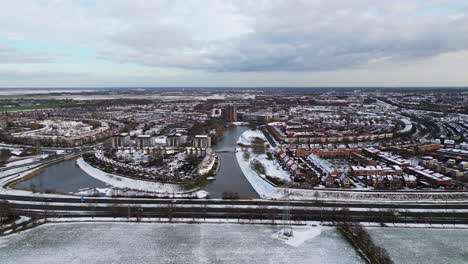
column 64, row 177
column 230, row 177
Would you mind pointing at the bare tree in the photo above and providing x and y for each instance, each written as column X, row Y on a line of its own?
column 246, row 155
column 4, row 156
column 6, row 212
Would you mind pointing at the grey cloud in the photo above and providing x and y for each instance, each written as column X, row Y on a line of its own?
column 264, row 35
column 303, row 36
column 327, row 41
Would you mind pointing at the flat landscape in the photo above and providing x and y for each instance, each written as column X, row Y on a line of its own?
column 174, row 243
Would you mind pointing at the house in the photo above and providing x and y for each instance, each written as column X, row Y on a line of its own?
column 344, row 180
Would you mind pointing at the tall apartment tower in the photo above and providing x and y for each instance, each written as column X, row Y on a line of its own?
column 230, row 113
column 143, row 141
column 201, row 141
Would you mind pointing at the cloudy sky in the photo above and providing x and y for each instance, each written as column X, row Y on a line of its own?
column 89, row 43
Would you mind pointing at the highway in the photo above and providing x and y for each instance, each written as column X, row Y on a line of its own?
column 434, row 213
column 257, row 202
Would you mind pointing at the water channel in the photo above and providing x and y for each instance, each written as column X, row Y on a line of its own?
column 66, row 177
column 230, row 176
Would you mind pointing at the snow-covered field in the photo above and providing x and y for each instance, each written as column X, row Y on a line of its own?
column 174, row 243
column 124, row 182
column 421, row 245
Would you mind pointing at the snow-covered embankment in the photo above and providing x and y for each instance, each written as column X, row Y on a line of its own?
column 258, row 181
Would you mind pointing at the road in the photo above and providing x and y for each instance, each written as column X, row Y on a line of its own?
column 268, row 136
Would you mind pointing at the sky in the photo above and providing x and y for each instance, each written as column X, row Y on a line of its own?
column 163, row 43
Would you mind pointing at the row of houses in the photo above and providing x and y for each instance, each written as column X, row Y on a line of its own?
column 293, row 167
column 326, row 167
column 284, row 133
column 390, row 181
column 148, row 150
column 65, row 133
column 173, row 140
column 366, row 161
column 207, row 163
column 322, row 152
column 431, row 177
column 387, row 157
column 449, row 167
column 149, row 173
column 330, row 181
column 376, row 170
column 330, row 175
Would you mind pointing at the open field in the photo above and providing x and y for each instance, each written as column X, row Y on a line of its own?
column 174, row 243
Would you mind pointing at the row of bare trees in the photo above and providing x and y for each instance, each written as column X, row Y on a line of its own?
column 362, row 240
column 6, row 213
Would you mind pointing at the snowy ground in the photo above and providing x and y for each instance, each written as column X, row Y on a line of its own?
column 258, row 182
column 174, row 243
column 18, row 221
column 27, row 160
column 116, row 192
column 300, row 235
column 15, row 171
column 240, row 123
column 411, row 245
column 272, row 167
column 369, row 196
column 248, row 136
column 124, row 182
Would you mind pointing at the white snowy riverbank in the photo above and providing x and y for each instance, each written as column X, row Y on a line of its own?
column 247, row 138
column 261, row 186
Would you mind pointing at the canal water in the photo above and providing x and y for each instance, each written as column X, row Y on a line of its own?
column 230, row 177
column 64, row 177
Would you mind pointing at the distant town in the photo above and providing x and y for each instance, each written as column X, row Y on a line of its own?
column 282, row 156
column 385, row 139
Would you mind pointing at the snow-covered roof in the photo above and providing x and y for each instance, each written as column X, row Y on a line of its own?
column 324, row 165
